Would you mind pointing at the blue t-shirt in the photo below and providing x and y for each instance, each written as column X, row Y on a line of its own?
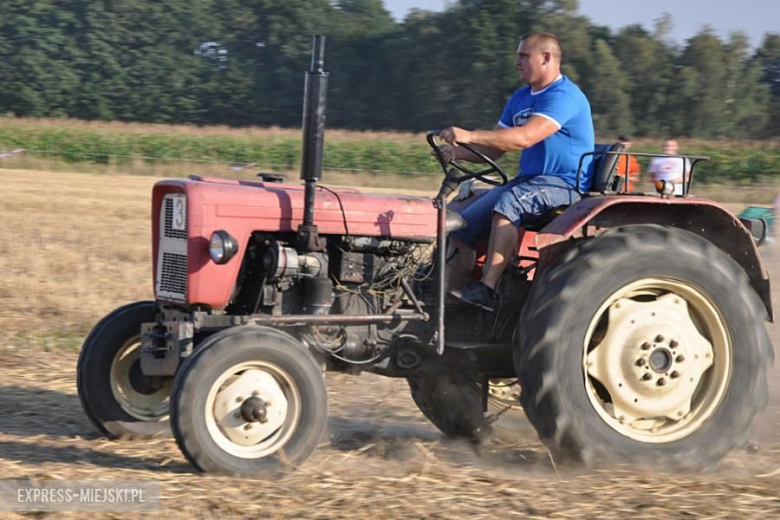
column 563, row 103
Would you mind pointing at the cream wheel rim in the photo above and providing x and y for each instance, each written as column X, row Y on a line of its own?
column 226, row 418
column 150, row 405
column 657, row 360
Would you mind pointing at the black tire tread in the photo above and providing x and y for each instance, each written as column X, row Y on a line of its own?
column 90, row 348
column 189, row 380
column 544, row 321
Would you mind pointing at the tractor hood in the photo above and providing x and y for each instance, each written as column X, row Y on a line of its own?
column 186, row 212
column 214, row 203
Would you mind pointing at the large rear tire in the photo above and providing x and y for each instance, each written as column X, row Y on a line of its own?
column 250, row 401
column 644, row 345
column 114, row 393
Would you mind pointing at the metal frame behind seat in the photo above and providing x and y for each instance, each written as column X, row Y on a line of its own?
column 694, row 160
column 604, row 176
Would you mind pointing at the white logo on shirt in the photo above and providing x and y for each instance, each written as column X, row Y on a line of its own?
column 523, row 116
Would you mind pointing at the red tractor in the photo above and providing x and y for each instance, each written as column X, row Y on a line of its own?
column 634, row 323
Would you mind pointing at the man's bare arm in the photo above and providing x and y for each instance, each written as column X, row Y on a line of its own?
column 535, row 130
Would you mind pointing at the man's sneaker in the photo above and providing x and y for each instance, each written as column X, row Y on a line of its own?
column 477, row 294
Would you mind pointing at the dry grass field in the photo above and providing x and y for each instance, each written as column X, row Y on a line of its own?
column 74, row 246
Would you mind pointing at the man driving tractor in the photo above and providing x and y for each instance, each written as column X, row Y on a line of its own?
column 550, row 120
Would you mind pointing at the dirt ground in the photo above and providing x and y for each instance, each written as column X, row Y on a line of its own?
column 74, row 246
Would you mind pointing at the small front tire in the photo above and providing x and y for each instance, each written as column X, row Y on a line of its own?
column 115, row 395
column 251, row 401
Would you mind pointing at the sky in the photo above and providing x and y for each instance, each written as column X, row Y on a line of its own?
column 753, row 17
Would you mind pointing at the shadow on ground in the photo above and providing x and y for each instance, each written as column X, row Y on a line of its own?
column 39, row 454
column 37, row 411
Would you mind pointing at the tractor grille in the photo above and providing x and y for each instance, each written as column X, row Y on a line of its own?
column 171, row 283
column 173, row 275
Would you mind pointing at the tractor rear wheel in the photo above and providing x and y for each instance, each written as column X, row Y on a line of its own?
column 114, row 393
column 644, row 345
column 250, row 401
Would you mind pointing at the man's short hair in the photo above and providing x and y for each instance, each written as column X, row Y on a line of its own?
column 544, row 42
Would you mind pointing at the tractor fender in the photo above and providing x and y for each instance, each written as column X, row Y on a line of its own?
column 593, row 215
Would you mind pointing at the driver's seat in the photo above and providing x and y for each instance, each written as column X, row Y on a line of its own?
column 605, row 177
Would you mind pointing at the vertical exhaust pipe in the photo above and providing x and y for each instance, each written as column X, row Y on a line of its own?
column 314, row 101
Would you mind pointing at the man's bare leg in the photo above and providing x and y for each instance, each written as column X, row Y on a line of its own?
column 503, row 239
column 461, row 264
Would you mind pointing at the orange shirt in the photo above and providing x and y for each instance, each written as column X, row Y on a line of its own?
column 633, row 170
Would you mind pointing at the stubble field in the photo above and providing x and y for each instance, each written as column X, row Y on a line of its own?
column 75, row 246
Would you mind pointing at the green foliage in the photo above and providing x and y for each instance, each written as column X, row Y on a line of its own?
column 767, row 59
column 280, row 152
column 737, row 166
column 608, row 95
column 731, row 163
column 136, row 61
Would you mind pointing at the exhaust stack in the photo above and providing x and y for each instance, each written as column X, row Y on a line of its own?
column 314, row 101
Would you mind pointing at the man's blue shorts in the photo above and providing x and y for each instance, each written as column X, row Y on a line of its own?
column 522, row 200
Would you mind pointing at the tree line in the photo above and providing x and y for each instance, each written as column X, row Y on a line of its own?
column 241, row 62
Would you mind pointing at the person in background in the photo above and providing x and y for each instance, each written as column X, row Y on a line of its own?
column 673, row 169
column 633, row 165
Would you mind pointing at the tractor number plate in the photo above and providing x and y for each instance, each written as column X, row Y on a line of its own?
column 179, row 221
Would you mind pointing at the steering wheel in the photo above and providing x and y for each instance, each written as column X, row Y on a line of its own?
column 469, row 173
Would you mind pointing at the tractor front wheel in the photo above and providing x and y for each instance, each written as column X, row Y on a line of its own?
column 114, row 393
column 644, row 345
column 251, row 401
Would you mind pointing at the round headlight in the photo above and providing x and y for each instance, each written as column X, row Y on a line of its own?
column 222, row 247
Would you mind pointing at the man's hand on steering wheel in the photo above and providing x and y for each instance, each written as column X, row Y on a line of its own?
column 455, row 136
column 450, row 155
